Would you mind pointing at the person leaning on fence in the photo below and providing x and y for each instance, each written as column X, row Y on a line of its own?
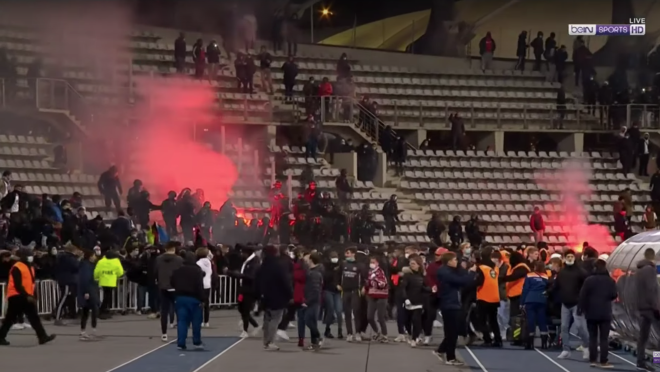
column 21, row 298
column 108, row 270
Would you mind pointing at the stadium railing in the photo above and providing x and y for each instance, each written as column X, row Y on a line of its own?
column 125, row 297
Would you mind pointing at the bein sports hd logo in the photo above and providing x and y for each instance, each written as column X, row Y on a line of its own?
column 636, row 26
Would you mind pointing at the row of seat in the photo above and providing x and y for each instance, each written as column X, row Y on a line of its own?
column 581, row 156
column 525, row 189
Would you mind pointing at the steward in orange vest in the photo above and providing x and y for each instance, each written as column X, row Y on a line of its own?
column 488, row 297
column 21, row 300
column 514, row 279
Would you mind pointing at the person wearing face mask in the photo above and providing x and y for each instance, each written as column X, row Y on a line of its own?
column 21, row 298
column 566, row 287
column 332, row 301
column 396, row 301
column 376, row 290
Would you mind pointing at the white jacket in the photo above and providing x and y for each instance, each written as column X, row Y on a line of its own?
column 207, row 268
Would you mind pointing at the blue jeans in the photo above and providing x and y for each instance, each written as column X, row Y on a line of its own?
column 333, row 309
column 312, row 322
column 568, row 314
column 503, row 315
column 188, row 310
column 536, row 315
column 300, row 314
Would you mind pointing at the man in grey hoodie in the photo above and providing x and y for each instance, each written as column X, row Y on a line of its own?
column 166, row 264
column 647, row 302
column 312, row 293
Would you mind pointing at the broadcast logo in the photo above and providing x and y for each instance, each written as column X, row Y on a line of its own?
column 636, row 26
column 656, row 357
column 582, row 30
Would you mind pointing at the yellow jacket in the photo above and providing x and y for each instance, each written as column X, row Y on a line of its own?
column 107, row 271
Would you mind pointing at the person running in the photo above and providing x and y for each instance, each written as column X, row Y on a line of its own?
column 275, row 290
column 88, row 295
column 246, row 296
column 21, row 299
column 166, row 264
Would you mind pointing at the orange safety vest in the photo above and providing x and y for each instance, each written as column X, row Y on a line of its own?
column 27, row 280
column 489, row 291
column 514, row 289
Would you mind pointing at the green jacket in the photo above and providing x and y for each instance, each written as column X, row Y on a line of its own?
column 107, row 271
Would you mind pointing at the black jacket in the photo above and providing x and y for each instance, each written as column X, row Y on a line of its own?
column 273, row 284
column 109, row 184
column 646, row 285
column 180, row 48
column 332, row 276
column 412, row 287
column 66, row 269
column 247, row 278
column 188, row 280
column 290, row 70
column 568, row 283
column 596, row 296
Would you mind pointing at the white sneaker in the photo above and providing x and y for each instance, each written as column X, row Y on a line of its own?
column 172, row 325
column 205, row 325
column 271, row 347
column 256, row 331
column 400, row 338
column 564, row 355
column 413, row 343
column 437, row 324
column 163, row 338
column 357, row 338
column 282, row 335
column 244, row 335
column 18, row 326
column 585, row 353
column 427, row 340
column 349, row 338
column 240, row 324
column 27, row 325
column 292, row 325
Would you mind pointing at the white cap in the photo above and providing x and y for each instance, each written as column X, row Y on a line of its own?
column 604, row 257
column 555, row 255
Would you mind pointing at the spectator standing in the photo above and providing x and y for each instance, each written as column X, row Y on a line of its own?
column 199, row 57
column 187, row 283
column 275, row 291
column 644, row 155
column 88, row 295
column 521, row 51
column 203, row 257
column 537, row 49
column 487, row 50
column 108, row 271
column 343, row 67
column 325, row 92
column 549, row 54
column 561, row 56
column 110, row 187
column 213, row 59
column 241, row 67
column 537, row 224
column 290, row 34
column 290, row 72
column 166, row 264
column 180, row 53
column 595, row 302
column 646, row 302
column 578, row 58
column 312, row 299
column 265, row 60
column 344, row 189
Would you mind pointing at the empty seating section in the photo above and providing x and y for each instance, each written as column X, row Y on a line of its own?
column 27, row 158
column 503, row 189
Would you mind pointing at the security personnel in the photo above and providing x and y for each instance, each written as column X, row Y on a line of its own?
column 21, row 300
column 353, row 277
column 488, row 298
column 108, row 270
column 514, row 279
column 535, row 301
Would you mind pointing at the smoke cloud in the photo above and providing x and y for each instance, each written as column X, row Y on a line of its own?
column 571, row 183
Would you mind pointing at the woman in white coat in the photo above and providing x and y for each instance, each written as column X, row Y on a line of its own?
column 204, row 262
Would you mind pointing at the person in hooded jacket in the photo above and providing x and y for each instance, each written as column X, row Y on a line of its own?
column 134, row 193
column 390, row 213
column 534, row 300
column 247, row 297
column 451, row 280
column 110, row 187
column 170, row 213
column 566, row 287
column 187, row 281
column 647, row 302
column 414, row 293
column 343, row 67
column 66, row 274
column 455, row 232
column 166, row 264
column 202, row 255
column 521, row 51
column 204, row 219
column 595, row 303
column 290, row 71
column 107, row 272
column 474, row 234
column 88, row 295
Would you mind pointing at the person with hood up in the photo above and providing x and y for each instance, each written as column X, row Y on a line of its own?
column 534, row 300
column 21, row 300
column 566, row 288
column 343, row 67
column 488, row 298
column 452, row 279
column 166, row 264
column 514, row 281
column 133, row 194
column 110, row 187
column 595, row 303
column 647, row 302
column 474, row 234
column 486, row 50
column 88, row 295
column 521, row 51
column 274, row 288
column 187, row 283
column 455, row 232
column 107, row 271
column 414, row 293
column 66, row 274
column 170, row 212
column 204, row 257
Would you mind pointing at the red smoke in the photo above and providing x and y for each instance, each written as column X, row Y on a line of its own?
column 166, row 156
column 569, row 213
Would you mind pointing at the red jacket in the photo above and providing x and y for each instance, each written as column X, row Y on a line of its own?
column 377, row 285
column 431, row 278
column 299, row 277
column 325, row 89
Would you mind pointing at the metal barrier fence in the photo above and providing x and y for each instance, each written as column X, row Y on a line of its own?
column 125, row 298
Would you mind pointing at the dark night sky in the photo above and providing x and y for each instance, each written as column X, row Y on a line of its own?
column 345, row 11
